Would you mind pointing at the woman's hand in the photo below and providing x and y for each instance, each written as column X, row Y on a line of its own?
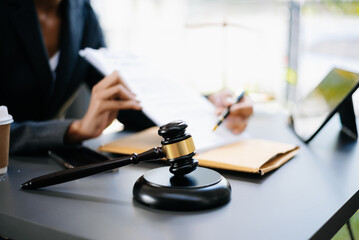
column 239, row 112
column 108, row 97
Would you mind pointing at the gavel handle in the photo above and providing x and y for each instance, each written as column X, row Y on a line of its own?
column 91, row 169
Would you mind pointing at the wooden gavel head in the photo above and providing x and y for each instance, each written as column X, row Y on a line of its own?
column 178, row 148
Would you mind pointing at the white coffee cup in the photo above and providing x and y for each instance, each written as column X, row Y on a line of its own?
column 5, row 121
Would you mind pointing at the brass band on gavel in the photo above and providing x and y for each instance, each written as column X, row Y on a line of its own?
column 179, row 149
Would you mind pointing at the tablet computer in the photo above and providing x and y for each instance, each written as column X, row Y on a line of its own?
column 312, row 112
column 76, row 155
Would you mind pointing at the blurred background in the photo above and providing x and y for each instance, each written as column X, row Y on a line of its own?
column 276, row 50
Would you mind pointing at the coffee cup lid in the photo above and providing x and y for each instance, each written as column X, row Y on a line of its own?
column 5, row 117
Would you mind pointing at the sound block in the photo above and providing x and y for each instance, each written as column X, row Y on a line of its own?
column 198, row 190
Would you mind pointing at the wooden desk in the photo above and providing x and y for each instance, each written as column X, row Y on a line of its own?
column 311, row 196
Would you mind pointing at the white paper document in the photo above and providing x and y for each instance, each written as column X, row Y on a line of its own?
column 163, row 100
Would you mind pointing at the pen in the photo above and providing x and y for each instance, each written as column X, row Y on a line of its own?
column 225, row 113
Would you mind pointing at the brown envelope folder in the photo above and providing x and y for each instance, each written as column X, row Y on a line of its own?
column 250, row 155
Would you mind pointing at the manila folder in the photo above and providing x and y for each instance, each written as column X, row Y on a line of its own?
column 249, row 155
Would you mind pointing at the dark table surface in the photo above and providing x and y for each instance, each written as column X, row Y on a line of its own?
column 311, row 196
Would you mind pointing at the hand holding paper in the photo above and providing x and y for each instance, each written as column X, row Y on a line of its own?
column 108, row 97
column 163, row 100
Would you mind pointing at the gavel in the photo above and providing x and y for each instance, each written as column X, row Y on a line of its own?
column 180, row 187
column 177, row 147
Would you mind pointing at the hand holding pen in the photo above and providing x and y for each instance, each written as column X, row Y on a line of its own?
column 235, row 114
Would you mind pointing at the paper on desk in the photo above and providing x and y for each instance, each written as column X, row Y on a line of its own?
column 164, row 100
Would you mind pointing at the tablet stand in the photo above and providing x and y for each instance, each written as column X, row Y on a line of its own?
column 347, row 118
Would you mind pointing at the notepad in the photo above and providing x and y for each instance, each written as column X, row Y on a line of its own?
column 163, row 100
column 248, row 155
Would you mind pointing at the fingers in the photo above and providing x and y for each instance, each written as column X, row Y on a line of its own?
column 111, row 80
column 116, row 91
column 219, row 110
column 221, row 99
column 112, row 94
column 109, row 96
column 240, row 112
column 236, row 124
column 111, row 105
column 243, row 108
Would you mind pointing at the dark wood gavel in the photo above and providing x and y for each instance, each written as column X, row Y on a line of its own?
column 177, row 147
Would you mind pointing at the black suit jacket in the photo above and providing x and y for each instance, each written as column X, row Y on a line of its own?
column 27, row 86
